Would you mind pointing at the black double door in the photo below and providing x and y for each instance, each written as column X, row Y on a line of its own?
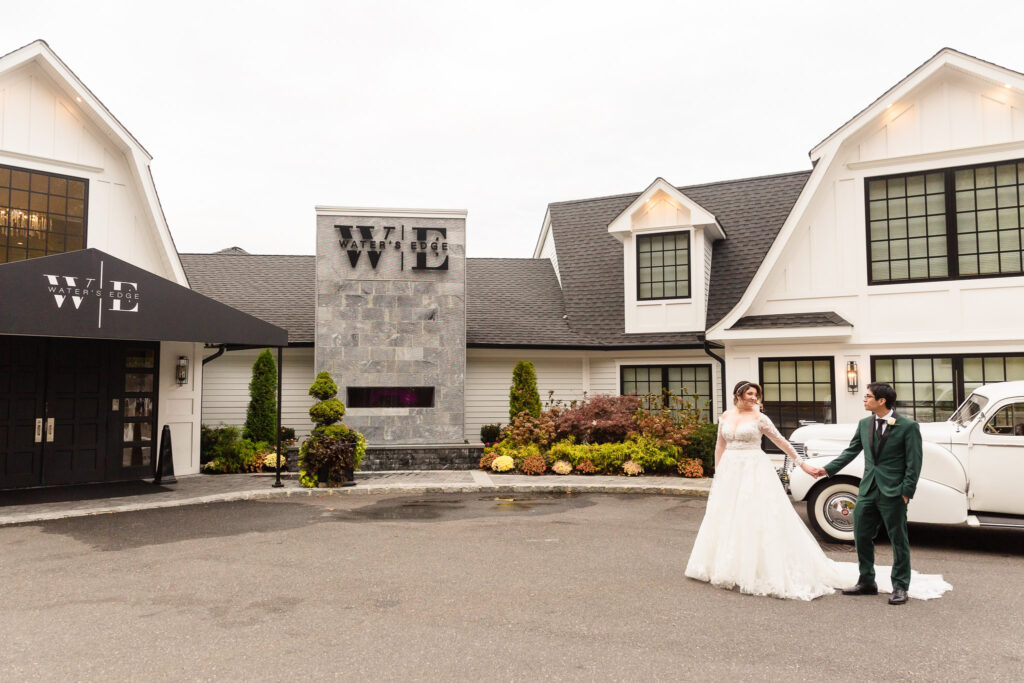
column 75, row 410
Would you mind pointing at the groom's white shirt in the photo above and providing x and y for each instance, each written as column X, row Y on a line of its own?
column 885, row 425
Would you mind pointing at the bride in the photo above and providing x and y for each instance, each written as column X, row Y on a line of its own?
column 751, row 537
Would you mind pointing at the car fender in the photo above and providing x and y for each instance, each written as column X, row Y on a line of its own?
column 801, row 483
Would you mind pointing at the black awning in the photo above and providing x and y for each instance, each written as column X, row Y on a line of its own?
column 92, row 295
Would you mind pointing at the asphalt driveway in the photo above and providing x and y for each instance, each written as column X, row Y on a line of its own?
column 468, row 587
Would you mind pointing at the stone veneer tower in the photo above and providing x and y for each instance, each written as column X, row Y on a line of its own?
column 391, row 320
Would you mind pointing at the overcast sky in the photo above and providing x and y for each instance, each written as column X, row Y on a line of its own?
column 255, row 112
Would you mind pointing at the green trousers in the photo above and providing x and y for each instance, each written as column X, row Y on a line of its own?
column 871, row 512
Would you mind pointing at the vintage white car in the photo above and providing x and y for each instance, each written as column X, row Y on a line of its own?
column 972, row 472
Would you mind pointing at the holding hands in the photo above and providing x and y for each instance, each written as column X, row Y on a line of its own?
column 815, row 472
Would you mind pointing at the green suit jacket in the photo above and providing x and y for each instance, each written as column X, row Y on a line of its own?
column 893, row 464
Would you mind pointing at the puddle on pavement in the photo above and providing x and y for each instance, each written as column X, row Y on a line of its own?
column 446, row 508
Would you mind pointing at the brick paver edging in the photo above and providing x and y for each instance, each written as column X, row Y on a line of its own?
column 291, row 489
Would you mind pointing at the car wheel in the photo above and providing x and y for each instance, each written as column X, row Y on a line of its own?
column 830, row 509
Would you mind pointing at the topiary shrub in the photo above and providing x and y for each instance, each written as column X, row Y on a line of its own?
column 523, row 395
column 261, row 415
column 490, row 433
column 533, row 463
column 331, row 448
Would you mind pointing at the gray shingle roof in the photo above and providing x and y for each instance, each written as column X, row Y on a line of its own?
column 751, row 211
column 778, row 320
column 515, row 302
column 278, row 289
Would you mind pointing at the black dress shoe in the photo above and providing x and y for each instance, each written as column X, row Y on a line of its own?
column 899, row 597
column 862, row 589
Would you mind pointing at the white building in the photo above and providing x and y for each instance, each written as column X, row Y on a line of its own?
column 100, row 337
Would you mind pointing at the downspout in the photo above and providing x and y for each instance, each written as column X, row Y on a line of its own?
column 221, row 348
column 721, row 362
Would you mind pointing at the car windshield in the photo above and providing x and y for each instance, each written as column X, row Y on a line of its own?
column 969, row 409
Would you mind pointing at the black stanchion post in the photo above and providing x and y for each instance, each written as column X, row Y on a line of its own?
column 280, row 375
column 164, row 465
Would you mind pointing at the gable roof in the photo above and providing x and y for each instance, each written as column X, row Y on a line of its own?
column 41, row 54
column 947, row 57
column 784, row 320
column 750, row 210
column 278, row 289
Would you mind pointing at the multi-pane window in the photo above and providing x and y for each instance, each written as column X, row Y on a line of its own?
column 40, row 214
column 795, row 390
column 989, row 218
column 907, row 227
column 663, row 265
column 949, row 223
column 925, row 388
column 929, row 389
column 691, row 383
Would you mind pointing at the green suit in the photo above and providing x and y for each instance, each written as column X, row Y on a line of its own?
column 892, row 467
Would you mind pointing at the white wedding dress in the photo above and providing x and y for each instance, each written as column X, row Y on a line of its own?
column 752, row 538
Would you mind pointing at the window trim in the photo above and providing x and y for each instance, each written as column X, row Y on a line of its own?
column 952, row 250
column 689, row 264
column 85, row 206
column 959, row 385
column 664, row 379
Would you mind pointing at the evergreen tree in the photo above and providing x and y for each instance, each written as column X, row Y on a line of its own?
column 261, row 415
column 523, row 394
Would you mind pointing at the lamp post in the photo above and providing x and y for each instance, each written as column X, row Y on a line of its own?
column 277, row 480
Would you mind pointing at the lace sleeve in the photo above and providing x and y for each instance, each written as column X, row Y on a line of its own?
column 769, row 430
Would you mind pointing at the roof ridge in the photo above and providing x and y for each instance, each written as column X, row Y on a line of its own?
column 222, row 253
column 682, row 187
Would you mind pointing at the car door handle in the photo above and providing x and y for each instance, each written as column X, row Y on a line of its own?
column 49, row 430
column 39, row 430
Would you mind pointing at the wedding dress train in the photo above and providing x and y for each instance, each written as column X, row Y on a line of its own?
column 752, row 538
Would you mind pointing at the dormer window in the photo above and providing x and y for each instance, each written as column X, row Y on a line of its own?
column 663, row 266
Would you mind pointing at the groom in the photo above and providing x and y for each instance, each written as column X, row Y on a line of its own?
column 892, row 466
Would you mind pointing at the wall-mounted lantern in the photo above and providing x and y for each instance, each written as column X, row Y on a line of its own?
column 851, row 376
column 181, row 370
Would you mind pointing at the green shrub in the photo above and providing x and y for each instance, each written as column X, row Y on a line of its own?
column 287, row 434
column 523, row 395
column 327, row 412
column 213, row 441
column 243, row 455
column 490, row 433
column 702, row 446
column 323, row 387
column 261, row 415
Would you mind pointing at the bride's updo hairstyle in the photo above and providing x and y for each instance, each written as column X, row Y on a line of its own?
column 741, row 388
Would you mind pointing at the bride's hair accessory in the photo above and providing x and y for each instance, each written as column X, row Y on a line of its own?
column 742, row 387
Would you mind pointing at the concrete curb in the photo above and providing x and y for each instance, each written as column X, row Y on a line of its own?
column 360, row 490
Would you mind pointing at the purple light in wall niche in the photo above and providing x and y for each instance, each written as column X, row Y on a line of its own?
column 390, row 397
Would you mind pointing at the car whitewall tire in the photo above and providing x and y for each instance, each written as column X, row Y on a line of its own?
column 830, row 509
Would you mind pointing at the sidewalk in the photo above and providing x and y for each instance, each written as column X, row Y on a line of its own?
column 37, row 505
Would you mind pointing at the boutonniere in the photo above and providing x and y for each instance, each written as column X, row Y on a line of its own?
column 890, row 421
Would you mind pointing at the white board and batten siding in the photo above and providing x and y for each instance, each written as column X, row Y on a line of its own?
column 226, row 388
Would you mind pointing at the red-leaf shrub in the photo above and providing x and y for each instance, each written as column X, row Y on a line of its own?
column 533, row 464
column 599, row 419
column 585, row 467
column 485, row 462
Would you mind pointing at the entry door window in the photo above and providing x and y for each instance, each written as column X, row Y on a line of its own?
column 797, row 389
column 138, row 411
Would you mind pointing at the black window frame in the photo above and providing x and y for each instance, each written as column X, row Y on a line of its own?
column 767, row 445
column 960, row 392
column 952, row 247
column 689, row 264
column 664, row 381
column 5, row 249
